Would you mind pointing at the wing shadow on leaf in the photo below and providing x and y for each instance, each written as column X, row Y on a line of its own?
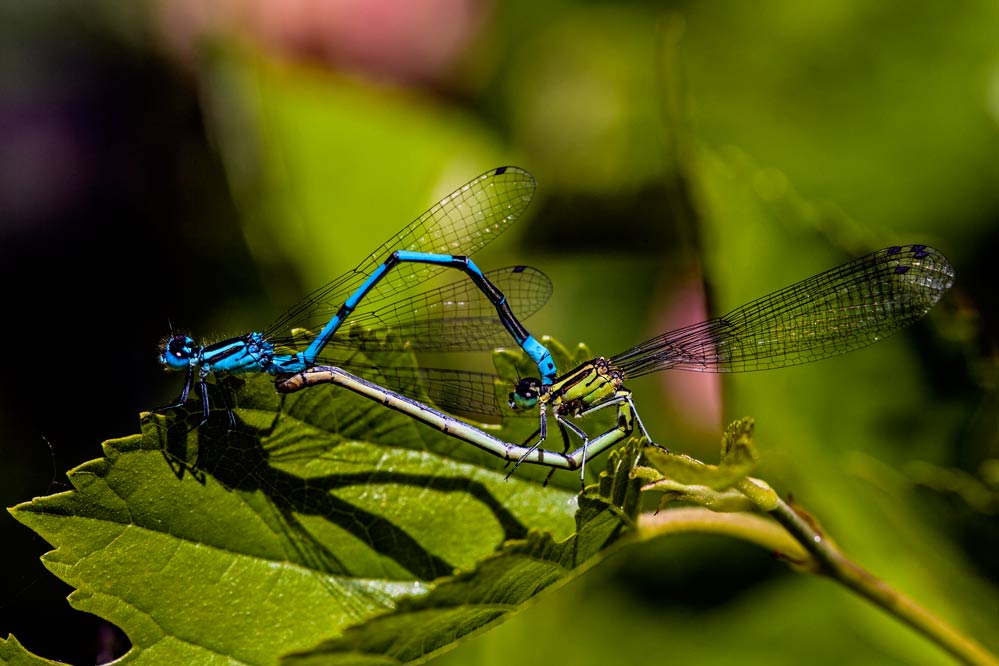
column 240, row 459
column 471, row 601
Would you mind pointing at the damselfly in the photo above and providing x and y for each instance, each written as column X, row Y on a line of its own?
column 460, row 224
column 835, row 312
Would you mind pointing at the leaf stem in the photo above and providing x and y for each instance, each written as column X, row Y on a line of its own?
column 797, row 540
column 746, row 526
column 833, row 564
column 796, row 536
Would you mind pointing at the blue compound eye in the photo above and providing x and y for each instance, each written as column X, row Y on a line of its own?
column 181, row 347
column 525, row 395
column 176, row 351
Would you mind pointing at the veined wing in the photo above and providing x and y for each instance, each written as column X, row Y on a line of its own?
column 835, row 312
column 459, row 392
column 457, row 316
column 461, row 223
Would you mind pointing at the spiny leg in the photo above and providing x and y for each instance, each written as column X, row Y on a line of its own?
column 541, row 433
column 182, row 400
column 565, row 447
column 626, row 416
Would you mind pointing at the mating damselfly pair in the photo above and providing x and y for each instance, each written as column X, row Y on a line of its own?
column 840, row 310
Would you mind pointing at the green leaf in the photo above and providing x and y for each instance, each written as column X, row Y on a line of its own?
column 738, row 457
column 724, row 487
column 471, row 601
column 12, row 653
column 319, row 518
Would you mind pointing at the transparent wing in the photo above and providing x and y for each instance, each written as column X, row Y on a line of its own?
column 843, row 309
column 455, row 391
column 457, row 316
column 461, row 223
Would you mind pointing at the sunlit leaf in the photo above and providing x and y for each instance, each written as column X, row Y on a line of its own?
column 318, row 518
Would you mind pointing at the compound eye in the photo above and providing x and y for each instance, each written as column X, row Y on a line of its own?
column 176, row 352
column 525, row 395
column 180, row 346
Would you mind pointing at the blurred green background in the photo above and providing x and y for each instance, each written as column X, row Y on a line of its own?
column 207, row 164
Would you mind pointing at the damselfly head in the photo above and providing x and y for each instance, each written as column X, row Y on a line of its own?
column 525, row 394
column 176, row 352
